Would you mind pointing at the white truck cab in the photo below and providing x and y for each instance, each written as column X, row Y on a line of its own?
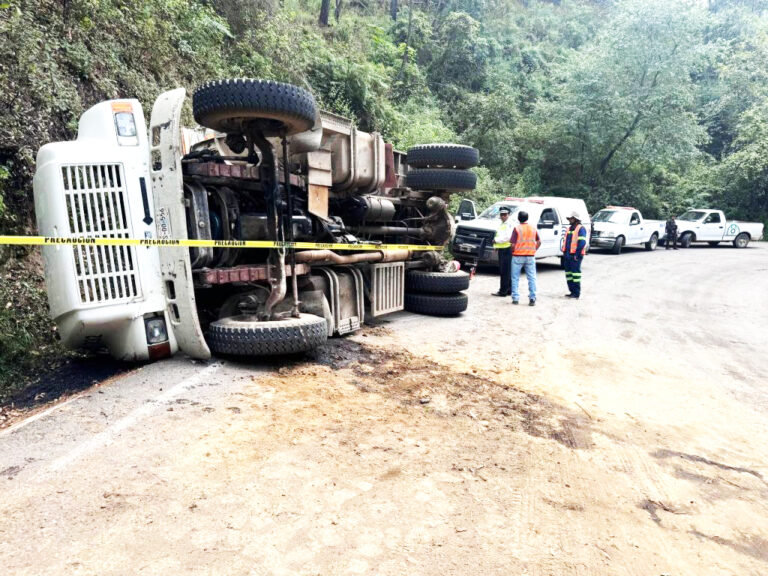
column 473, row 240
column 100, row 186
column 707, row 225
column 615, row 227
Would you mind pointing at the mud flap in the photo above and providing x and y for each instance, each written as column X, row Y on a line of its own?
column 168, row 187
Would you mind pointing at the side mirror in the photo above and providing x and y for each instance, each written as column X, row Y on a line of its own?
column 467, row 210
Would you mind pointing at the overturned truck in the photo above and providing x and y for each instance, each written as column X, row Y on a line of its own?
column 266, row 166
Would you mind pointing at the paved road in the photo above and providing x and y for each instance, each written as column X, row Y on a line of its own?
column 620, row 434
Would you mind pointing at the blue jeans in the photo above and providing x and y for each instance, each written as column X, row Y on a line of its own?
column 518, row 263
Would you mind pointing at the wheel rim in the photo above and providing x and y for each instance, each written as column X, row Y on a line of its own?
column 654, row 242
column 741, row 241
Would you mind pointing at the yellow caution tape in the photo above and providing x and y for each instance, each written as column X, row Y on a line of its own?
column 100, row 241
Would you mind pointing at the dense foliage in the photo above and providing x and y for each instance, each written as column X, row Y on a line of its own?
column 657, row 103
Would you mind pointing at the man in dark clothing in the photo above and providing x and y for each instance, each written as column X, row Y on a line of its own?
column 573, row 253
column 671, row 233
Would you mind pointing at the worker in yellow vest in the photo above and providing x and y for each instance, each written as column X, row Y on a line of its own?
column 501, row 244
column 523, row 245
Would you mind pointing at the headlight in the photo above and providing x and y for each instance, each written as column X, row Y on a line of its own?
column 156, row 330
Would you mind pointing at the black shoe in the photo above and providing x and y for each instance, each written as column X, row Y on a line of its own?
column 515, row 302
column 675, row 248
column 531, row 302
column 499, row 293
column 568, row 296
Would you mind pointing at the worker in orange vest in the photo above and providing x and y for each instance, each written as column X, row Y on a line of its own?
column 523, row 245
column 573, row 253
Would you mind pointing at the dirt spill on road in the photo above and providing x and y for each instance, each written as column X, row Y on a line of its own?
column 444, row 391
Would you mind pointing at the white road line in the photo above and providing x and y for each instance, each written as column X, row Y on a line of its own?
column 106, row 437
column 42, row 414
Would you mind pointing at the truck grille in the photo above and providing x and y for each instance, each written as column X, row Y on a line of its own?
column 97, row 207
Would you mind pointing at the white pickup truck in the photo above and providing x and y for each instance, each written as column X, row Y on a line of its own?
column 706, row 225
column 615, row 227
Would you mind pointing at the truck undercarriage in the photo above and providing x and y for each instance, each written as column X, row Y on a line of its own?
column 269, row 167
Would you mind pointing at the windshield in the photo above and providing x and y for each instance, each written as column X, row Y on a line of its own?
column 492, row 212
column 692, row 216
column 614, row 216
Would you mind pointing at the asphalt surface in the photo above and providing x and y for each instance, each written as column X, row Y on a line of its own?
column 660, row 370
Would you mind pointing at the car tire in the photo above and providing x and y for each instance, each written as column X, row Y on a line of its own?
column 226, row 105
column 741, row 241
column 436, row 304
column 443, row 156
column 441, row 179
column 685, row 240
column 436, row 282
column 246, row 336
column 652, row 243
column 618, row 244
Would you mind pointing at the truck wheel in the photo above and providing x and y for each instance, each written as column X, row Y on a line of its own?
column 436, row 304
column 441, row 179
column 652, row 243
column 741, row 240
column 618, row 245
column 436, row 282
column 685, row 240
column 246, row 336
column 226, row 105
column 713, row 244
column 443, row 156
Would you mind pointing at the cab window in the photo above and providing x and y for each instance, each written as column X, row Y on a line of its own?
column 549, row 215
column 713, row 218
column 635, row 219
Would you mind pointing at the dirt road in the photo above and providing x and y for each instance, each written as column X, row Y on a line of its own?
column 626, row 433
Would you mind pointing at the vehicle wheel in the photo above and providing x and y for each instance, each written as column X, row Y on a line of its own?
column 652, row 243
column 245, row 335
column 715, row 243
column 618, row 245
column 226, row 105
column 741, row 240
column 443, row 156
column 441, row 179
column 685, row 240
column 436, row 282
column 436, row 304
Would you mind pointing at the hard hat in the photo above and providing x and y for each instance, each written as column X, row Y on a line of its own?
column 504, row 210
column 575, row 216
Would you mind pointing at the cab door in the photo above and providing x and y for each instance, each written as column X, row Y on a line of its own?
column 549, row 230
column 636, row 231
column 712, row 227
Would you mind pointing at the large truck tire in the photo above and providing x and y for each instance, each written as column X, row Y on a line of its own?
column 436, row 282
column 441, row 179
column 436, row 304
column 618, row 244
column 246, row 336
column 741, row 240
column 226, row 105
column 443, row 156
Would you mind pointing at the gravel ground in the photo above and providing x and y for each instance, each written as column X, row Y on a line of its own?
column 620, row 434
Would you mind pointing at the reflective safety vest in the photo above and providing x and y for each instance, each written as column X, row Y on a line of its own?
column 572, row 240
column 503, row 234
column 526, row 241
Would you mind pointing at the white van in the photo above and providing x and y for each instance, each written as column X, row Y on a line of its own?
column 473, row 240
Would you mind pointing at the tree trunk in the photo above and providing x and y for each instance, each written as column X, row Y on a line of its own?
column 393, row 9
column 337, row 11
column 325, row 9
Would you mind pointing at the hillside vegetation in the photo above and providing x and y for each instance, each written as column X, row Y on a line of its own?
column 662, row 104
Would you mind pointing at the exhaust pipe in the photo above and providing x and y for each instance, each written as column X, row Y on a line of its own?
column 309, row 256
